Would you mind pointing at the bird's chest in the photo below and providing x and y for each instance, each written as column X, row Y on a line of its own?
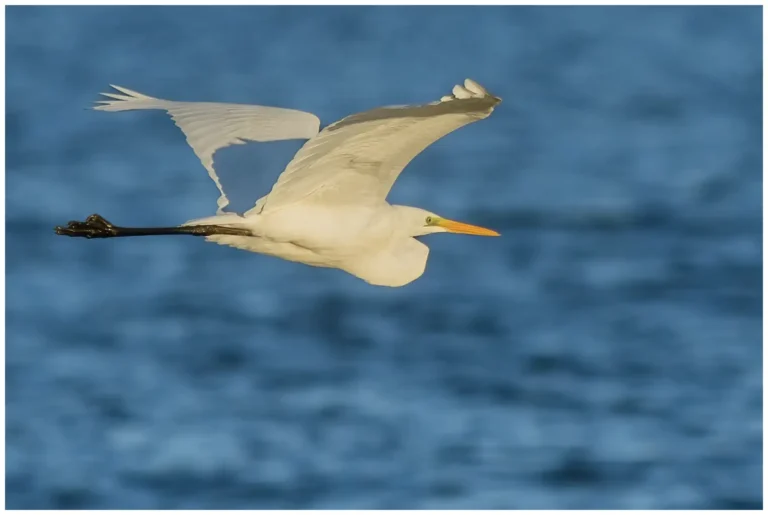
column 333, row 231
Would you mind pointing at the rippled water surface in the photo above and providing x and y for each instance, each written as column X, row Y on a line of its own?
column 604, row 353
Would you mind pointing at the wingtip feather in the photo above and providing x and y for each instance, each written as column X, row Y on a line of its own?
column 129, row 92
column 470, row 89
column 474, row 87
column 124, row 99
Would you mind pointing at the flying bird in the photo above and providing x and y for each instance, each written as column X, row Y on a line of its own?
column 328, row 208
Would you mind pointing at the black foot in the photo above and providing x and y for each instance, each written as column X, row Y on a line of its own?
column 95, row 226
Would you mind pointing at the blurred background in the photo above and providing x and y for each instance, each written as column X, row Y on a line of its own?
column 604, row 353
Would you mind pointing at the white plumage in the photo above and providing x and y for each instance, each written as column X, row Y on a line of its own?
column 210, row 126
column 328, row 207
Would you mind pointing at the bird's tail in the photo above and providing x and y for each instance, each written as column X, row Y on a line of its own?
column 128, row 100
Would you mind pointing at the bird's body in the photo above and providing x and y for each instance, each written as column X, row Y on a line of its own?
column 367, row 241
column 328, row 208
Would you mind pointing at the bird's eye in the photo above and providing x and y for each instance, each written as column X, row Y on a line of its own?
column 429, row 220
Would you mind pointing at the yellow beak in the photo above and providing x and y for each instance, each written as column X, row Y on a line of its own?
column 462, row 228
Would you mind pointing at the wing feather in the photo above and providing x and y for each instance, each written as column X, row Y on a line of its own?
column 360, row 157
column 210, row 126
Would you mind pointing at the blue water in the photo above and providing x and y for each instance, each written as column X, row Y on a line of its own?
column 604, row 353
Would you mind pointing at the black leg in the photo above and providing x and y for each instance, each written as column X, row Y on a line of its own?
column 95, row 226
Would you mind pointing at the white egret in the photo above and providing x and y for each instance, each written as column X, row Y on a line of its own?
column 328, row 208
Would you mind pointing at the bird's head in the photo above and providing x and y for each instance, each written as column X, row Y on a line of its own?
column 420, row 222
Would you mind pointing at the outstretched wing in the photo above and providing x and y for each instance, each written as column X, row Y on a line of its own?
column 211, row 126
column 358, row 158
